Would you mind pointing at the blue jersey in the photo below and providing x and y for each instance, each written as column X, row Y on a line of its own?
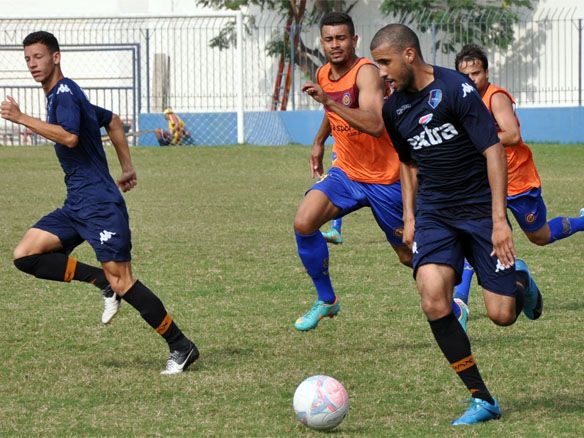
column 444, row 129
column 87, row 174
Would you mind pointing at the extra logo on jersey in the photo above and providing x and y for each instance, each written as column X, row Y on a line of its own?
column 347, row 101
column 105, row 235
column 424, row 120
column 433, row 136
column 435, row 98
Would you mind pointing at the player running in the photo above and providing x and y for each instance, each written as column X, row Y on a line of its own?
column 524, row 197
column 453, row 175
column 365, row 172
column 94, row 210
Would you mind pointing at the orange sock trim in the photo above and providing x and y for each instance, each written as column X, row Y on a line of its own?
column 164, row 325
column 70, row 269
column 463, row 364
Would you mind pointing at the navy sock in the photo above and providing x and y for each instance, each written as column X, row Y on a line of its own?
column 313, row 252
column 562, row 227
column 462, row 289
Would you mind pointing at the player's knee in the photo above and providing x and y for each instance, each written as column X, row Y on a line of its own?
column 539, row 240
column 405, row 258
column 503, row 317
column 434, row 308
column 303, row 226
column 22, row 251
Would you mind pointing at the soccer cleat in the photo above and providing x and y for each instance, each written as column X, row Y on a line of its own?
column 319, row 310
column 582, row 212
column 333, row 236
column 463, row 317
column 179, row 360
column 479, row 411
column 533, row 306
column 111, row 305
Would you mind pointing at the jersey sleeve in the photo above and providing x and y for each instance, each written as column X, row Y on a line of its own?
column 68, row 112
column 104, row 116
column 474, row 116
column 399, row 143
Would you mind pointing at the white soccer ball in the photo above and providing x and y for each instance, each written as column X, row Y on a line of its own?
column 321, row 402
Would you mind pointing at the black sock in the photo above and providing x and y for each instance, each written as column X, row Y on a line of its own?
column 153, row 312
column 454, row 343
column 57, row 266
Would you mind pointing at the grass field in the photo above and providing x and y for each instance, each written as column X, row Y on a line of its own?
column 212, row 233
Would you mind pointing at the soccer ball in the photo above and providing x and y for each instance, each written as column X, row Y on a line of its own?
column 321, row 402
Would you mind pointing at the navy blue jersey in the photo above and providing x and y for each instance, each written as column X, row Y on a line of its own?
column 86, row 171
column 444, row 129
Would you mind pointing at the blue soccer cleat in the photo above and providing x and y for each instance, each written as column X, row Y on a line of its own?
column 479, row 411
column 319, row 310
column 333, row 236
column 533, row 306
column 463, row 316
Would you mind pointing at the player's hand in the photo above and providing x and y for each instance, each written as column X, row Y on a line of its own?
column 316, row 92
column 408, row 236
column 503, row 247
column 315, row 161
column 10, row 110
column 128, row 180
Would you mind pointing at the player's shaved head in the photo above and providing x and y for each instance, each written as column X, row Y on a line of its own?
column 397, row 36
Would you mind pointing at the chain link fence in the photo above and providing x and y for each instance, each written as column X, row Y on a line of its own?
column 140, row 66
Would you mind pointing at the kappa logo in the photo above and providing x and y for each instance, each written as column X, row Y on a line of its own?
column 105, row 235
column 415, row 248
column 500, row 266
column 64, row 88
column 433, row 136
column 435, row 98
column 467, row 89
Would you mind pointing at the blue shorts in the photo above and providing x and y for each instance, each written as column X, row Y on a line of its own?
column 445, row 239
column 104, row 226
column 529, row 209
column 385, row 201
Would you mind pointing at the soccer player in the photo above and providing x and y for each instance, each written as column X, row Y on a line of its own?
column 524, row 197
column 453, row 175
column 177, row 133
column 94, row 210
column 366, row 169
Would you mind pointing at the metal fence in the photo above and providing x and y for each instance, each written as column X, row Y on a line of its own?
column 139, row 66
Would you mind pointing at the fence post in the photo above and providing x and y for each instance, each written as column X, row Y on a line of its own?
column 580, row 62
column 292, row 88
column 241, row 84
column 433, row 43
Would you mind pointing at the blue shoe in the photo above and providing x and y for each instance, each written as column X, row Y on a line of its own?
column 479, row 411
column 319, row 310
column 533, row 306
column 463, row 316
column 333, row 236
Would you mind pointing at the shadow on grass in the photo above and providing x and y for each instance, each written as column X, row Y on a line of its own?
column 555, row 404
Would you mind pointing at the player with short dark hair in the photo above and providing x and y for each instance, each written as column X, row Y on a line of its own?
column 524, row 193
column 365, row 172
column 453, row 174
column 94, row 210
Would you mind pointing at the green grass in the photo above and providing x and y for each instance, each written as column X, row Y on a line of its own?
column 212, row 234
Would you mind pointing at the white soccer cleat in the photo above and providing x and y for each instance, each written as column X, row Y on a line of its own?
column 179, row 360
column 111, row 305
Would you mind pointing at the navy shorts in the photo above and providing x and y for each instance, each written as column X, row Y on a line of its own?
column 104, row 226
column 385, row 201
column 529, row 209
column 447, row 240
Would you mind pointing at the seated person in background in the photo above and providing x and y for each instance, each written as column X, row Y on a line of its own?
column 177, row 132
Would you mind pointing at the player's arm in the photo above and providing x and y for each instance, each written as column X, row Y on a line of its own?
column 115, row 130
column 502, row 238
column 502, row 109
column 317, row 151
column 367, row 118
column 409, row 185
column 10, row 110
